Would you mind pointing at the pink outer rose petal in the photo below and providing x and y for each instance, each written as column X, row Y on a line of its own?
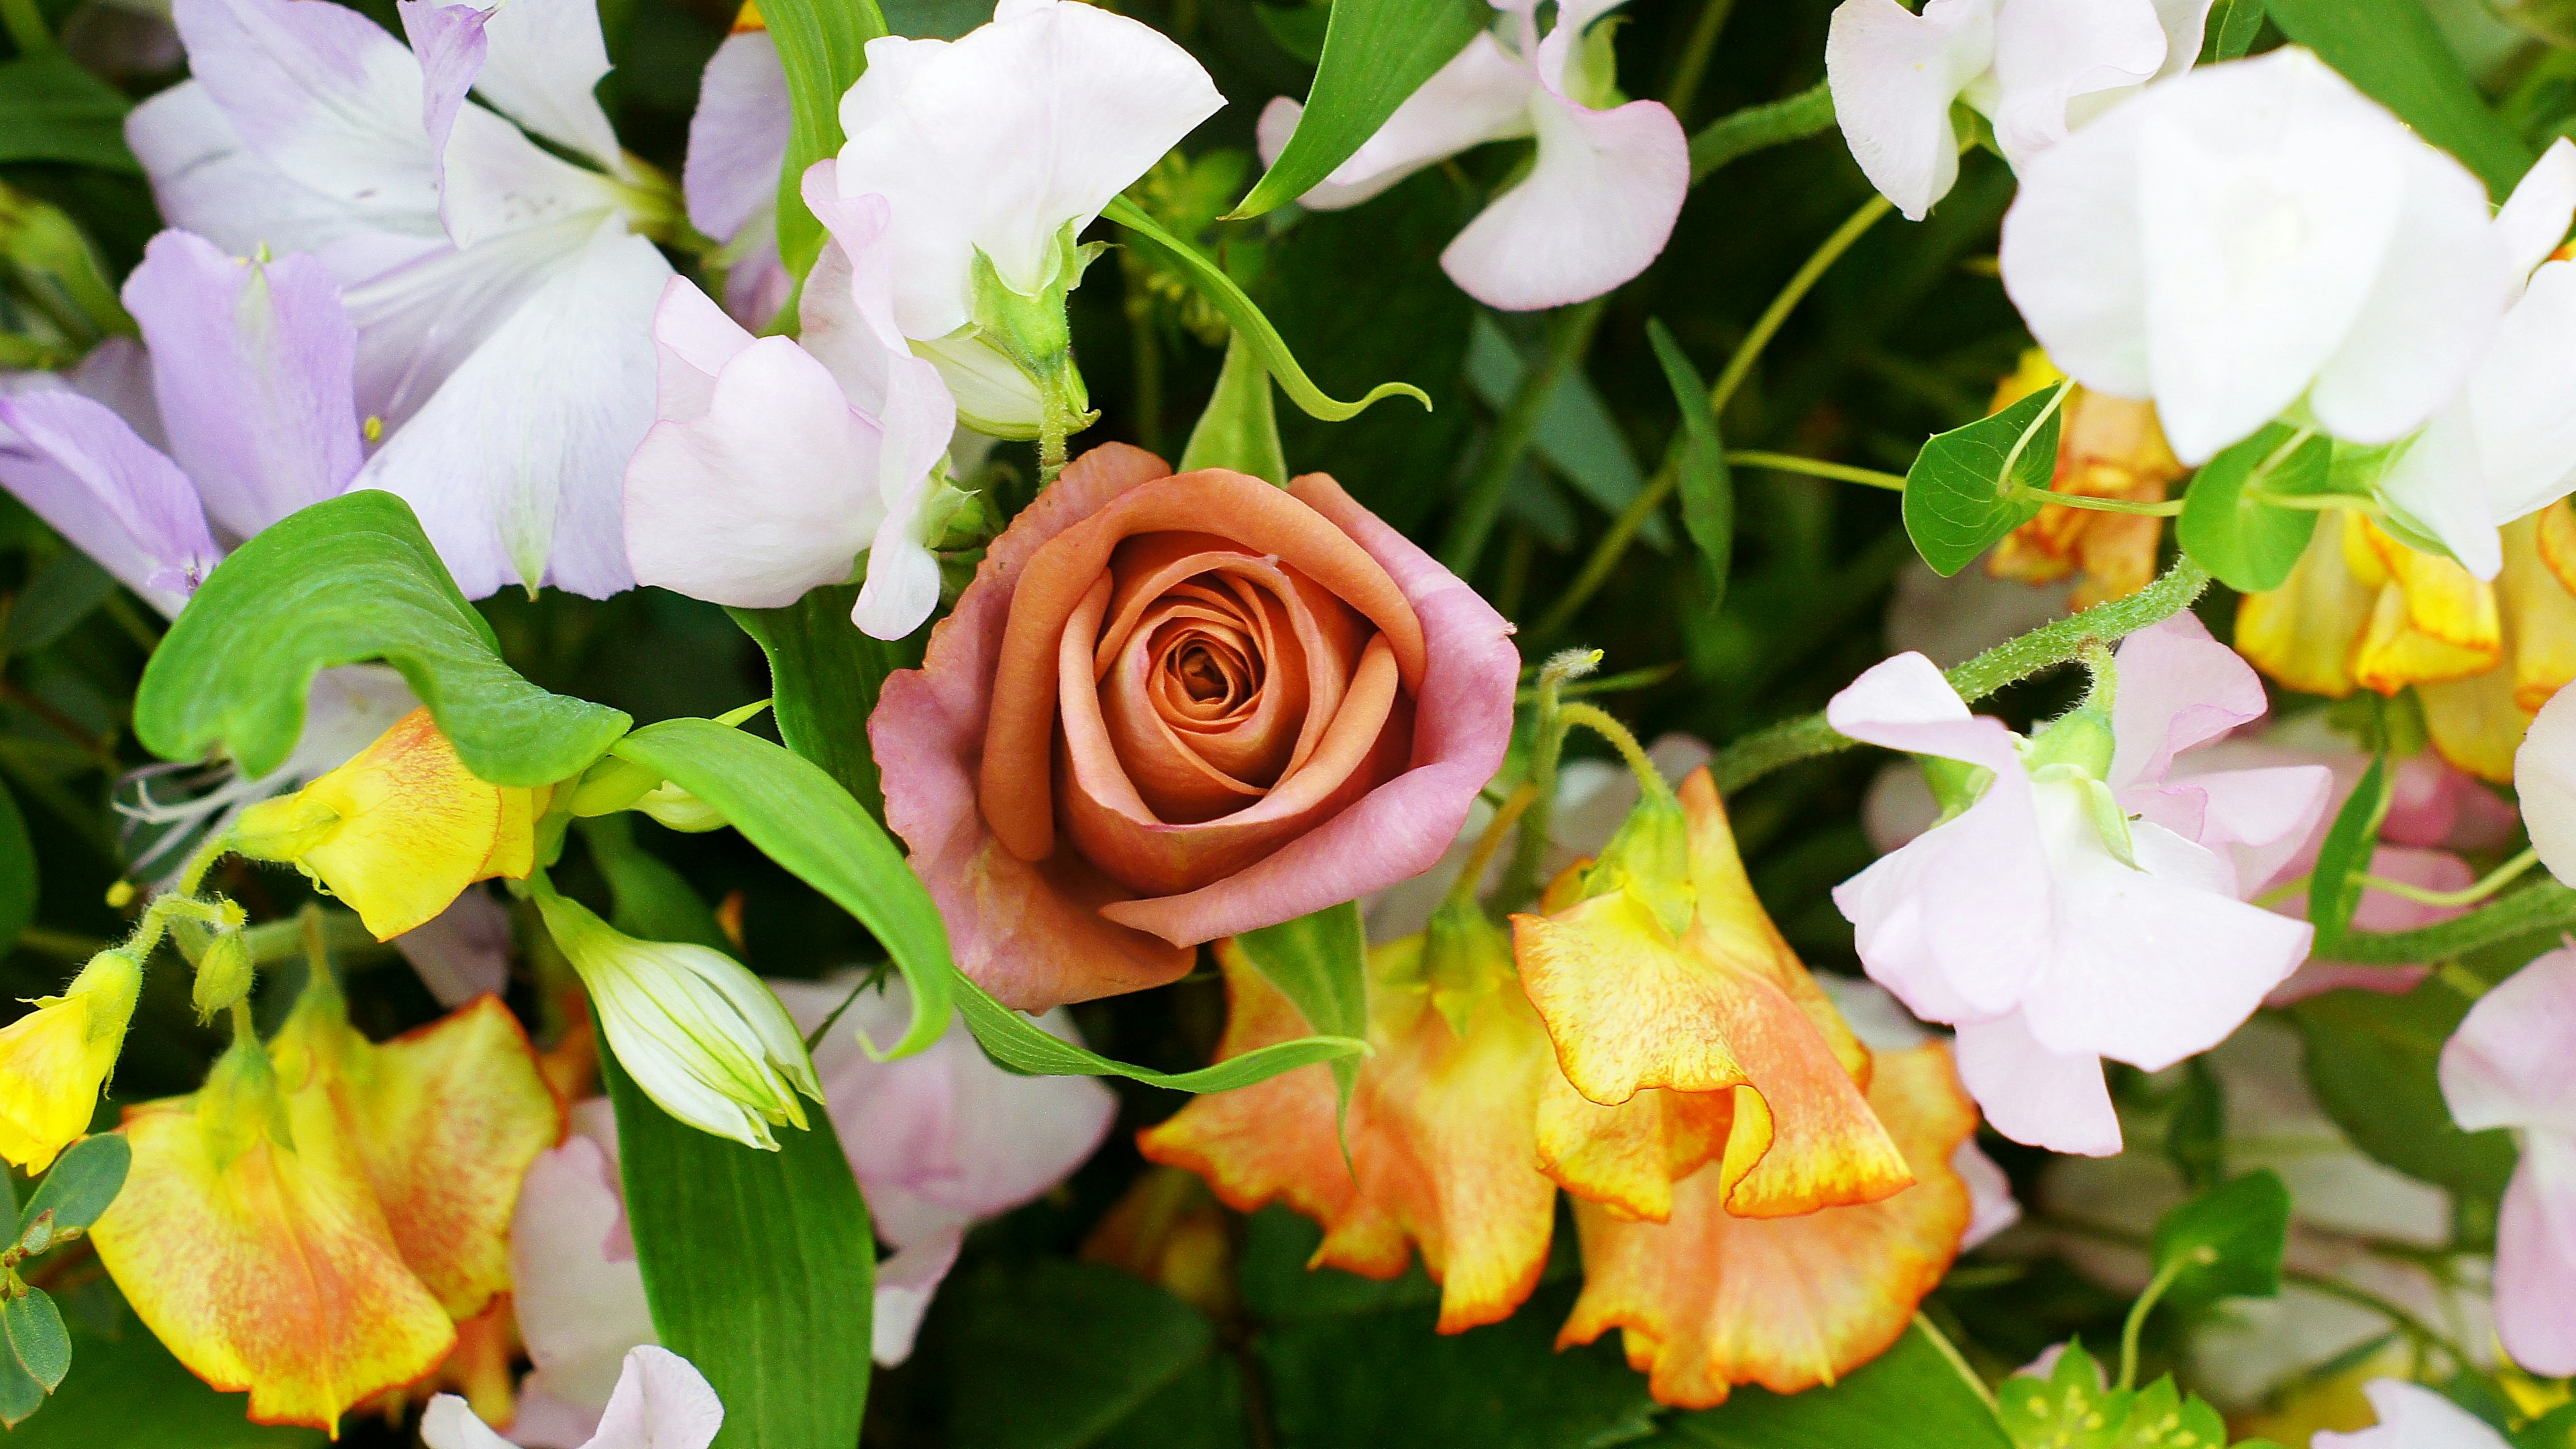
column 2055, row 1100
column 2178, row 688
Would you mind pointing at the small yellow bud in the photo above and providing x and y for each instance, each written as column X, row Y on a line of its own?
column 120, row 895
column 224, row 975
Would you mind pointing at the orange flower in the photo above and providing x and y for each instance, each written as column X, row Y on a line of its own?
column 313, row 1229
column 2107, row 447
column 1710, row 1300
column 399, row 831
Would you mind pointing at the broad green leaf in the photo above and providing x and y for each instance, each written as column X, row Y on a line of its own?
column 1250, row 325
column 2227, row 1242
column 823, row 681
column 81, row 1184
column 1020, row 1045
column 2394, row 51
column 794, row 813
column 349, row 579
column 125, row 1391
column 2227, row 523
column 822, row 46
column 1050, row 1354
column 52, row 110
column 17, row 870
column 1755, row 128
column 20, row 1394
column 1971, row 486
column 2196, row 1126
column 1240, row 427
column 1707, row 488
column 1576, row 434
column 1376, row 54
column 37, row 1338
column 2230, row 29
column 2372, row 1060
column 1916, row 1393
column 1320, row 963
column 2334, row 889
column 760, row 1268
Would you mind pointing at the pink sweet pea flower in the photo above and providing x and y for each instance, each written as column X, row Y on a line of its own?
column 1593, row 212
column 2413, row 1417
column 737, row 142
column 2048, row 940
column 661, row 1402
column 2509, row 1066
column 939, row 1141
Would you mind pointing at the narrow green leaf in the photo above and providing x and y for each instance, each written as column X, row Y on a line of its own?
column 1756, row 128
column 53, row 110
column 2334, row 889
column 1972, row 485
column 2227, row 1242
column 793, row 812
column 1577, row 434
column 1320, row 963
column 63, row 592
column 348, row 579
column 2227, row 524
column 1707, row 488
column 1376, row 54
column 2395, row 52
column 83, row 1181
column 37, row 1338
column 760, row 1268
column 822, row 46
column 1240, row 428
column 1249, row 323
column 2230, row 30
column 823, row 675
column 17, row 870
column 1916, row 1393
column 2373, row 1061
column 1019, row 1044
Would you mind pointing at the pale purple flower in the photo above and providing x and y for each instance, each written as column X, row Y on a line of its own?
column 2413, row 1417
column 2069, row 915
column 2035, row 68
column 661, row 1401
column 1597, row 205
column 2509, row 1066
column 737, row 143
column 500, row 293
column 939, row 1140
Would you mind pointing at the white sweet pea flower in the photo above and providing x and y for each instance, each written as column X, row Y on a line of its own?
column 2413, row 1417
column 661, row 1402
column 774, row 464
column 502, row 293
column 1595, row 209
column 993, row 152
column 704, row 1038
column 2034, row 68
column 2256, row 237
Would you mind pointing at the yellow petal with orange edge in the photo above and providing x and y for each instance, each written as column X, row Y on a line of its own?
column 445, row 1121
column 2474, row 723
column 54, row 1060
column 275, row 1273
column 1733, row 923
column 1628, row 1157
column 1441, row 1130
column 2539, row 610
column 2433, row 621
column 416, row 828
column 2304, row 633
column 1711, row 1300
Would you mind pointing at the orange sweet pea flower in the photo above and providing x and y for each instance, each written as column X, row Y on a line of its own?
column 313, row 1228
column 399, row 831
column 2107, row 447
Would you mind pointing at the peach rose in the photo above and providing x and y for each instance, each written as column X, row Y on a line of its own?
column 1173, row 708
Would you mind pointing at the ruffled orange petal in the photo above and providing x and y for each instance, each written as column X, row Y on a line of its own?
column 2305, row 632
column 2433, row 621
column 1442, row 1145
column 1711, row 1300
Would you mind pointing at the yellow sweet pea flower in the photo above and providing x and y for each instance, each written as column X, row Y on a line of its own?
column 399, row 831
column 54, row 1060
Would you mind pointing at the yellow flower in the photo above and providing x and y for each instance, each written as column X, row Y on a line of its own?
column 401, row 830
column 2107, row 447
column 2361, row 610
column 54, row 1060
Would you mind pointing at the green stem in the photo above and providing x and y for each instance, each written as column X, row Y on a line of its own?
column 2495, row 880
column 2542, row 907
column 2137, row 1319
column 1692, row 68
column 2046, row 647
column 1547, row 745
column 1592, row 717
column 1490, row 844
column 1609, row 683
column 1757, row 128
column 1816, row 468
column 1570, row 331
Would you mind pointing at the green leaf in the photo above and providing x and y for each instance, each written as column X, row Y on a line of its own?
column 1916, row 1393
column 52, row 110
column 1051, row 1354
column 1376, row 54
column 1299, row 29
column 1020, row 1045
column 824, row 676
column 17, row 870
column 2249, row 543
column 20, row 1395
column 1240, row 428
column 760, row 1268
column 1320, row 963
column 1755, row 128
column 1971, row 486
column 83, row 1181
column 822, row 46
column 2231, row 29
column 37, row 1338
column 2334, row 888
column 348, row 579
column 1707, row 488
column 1249, row 324
column 2069, row 1409
column 793, row 812
column 2373, row 1062
column 2227, row 1242
column 2394, row 51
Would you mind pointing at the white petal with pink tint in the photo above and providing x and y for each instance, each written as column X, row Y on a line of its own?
column 1594, row 211
column 1481, row 95
column 1895, row 75
column 2544, row 774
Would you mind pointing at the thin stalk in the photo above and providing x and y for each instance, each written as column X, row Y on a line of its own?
column 1602, row 723
column 2086, row 502
column 2406, row 1322
column 2137, row 1319
column 1569, row 336
column 1692, row 68
column 1816, row 468
column 1610, row 683
column 2494, row 881
column 1490, row 844
column 1547, row 745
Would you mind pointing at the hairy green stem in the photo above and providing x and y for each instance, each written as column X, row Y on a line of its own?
column 1755, row 128
column 1547, row 745
column 2544, row 906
